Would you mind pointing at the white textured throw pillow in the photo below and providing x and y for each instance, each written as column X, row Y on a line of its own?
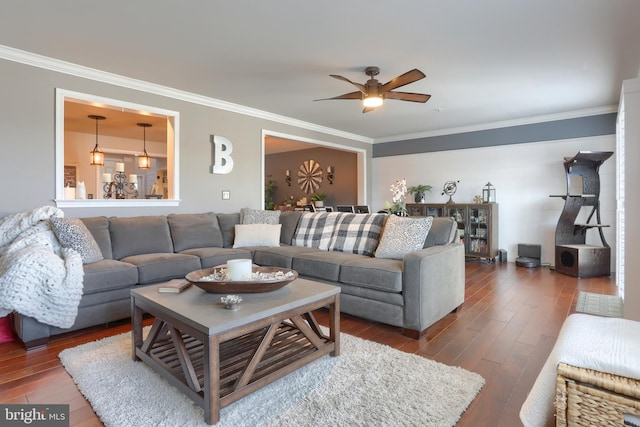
column 403, row 235
column 257, row 235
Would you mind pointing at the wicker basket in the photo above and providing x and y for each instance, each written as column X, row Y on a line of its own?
column 585, row 397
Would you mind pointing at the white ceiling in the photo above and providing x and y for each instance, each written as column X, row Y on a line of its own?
column 486, row 61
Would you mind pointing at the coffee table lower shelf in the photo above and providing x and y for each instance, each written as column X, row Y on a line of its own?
column 288, row 350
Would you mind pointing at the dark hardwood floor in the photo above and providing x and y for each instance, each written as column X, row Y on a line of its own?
column 504, row 331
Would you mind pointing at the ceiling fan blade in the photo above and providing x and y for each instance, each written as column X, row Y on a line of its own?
column 406, row 78
column 350, row 95
column 344, row 79
column 407, row 96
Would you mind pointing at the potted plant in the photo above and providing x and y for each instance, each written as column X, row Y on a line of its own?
column 318, row 199
column 269, row 191
column 418, row 192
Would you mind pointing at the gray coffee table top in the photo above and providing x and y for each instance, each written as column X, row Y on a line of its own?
column 206, row 313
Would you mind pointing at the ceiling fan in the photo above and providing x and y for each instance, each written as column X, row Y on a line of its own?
column 372, row 93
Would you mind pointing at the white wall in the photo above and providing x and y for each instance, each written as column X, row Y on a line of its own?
column 524, row 176
column 630, row 203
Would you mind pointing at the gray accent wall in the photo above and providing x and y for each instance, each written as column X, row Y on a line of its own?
column 343, row 191
column 27, row 141
column 581, row 127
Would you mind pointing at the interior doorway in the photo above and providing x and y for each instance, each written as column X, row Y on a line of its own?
column 339, row 173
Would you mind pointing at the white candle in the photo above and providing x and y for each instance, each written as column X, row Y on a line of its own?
column 239, row 269
column 328, row 169
column 106, row 177
column 287, row 172
column 69, row 193
column 119, row 167
column 133, row 178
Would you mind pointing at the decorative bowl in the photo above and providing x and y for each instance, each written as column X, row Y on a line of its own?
column 223, row 285
column 231, row 302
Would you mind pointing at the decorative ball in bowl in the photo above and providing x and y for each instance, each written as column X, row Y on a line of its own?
column 262, row 279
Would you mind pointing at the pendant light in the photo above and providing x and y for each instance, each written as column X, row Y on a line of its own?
column 97, row 156
column 144, row 161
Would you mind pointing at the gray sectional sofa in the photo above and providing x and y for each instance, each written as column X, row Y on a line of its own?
column 411, row 293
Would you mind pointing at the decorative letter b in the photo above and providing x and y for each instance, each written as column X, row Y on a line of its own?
column 222, row 149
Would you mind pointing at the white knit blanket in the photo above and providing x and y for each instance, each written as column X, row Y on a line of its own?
column 603, row 344
column 38, row 277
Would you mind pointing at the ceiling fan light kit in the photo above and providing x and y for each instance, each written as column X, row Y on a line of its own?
column 372, row 101
column 373, row 94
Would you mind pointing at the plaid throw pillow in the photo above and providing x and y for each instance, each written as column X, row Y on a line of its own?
column 315, row 230
column 357, row 233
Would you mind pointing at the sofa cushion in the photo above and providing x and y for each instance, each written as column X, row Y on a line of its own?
column 315, row 230
column 73, row 234
column 279, row 257
column 227, row 224
column 108, row 274
column 213, row 257
column 194, row 231
column 403, row 235
column 289, row 221
column 140, row 235
column 357, row 233
column 158, row 267
column 99, row 228
column 253, row 216
column 442, row 231
column 322, row 264
column 380, row 274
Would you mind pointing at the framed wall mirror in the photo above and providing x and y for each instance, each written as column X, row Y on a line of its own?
column 123, row 154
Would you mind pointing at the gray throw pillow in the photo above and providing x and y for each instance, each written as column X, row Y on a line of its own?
column 72, row 233
column 403, row 235
column 252, row 216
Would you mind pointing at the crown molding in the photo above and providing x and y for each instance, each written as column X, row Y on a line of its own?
column 64, row 67
column 503, row 124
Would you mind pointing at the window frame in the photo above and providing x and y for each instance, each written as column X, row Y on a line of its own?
column 173, row 150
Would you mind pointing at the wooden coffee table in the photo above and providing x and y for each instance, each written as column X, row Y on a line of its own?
column 216, row 356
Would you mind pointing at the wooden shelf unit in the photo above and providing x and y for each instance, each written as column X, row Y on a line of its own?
column 477, row 224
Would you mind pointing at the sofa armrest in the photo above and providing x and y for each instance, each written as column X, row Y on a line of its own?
column 433, row 284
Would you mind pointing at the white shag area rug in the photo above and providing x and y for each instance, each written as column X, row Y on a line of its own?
column 369, row 384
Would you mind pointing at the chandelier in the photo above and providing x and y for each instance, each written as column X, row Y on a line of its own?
column 117, row 187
